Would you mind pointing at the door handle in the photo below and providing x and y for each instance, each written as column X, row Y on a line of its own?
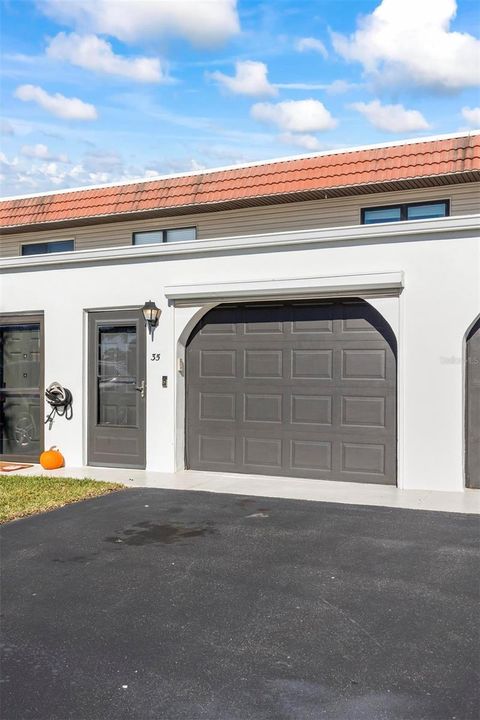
column 141, row 389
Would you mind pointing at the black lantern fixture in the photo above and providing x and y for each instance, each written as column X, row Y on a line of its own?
column 151, row 315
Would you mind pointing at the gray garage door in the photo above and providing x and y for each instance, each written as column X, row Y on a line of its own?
column 473, row 407
column 293, row 389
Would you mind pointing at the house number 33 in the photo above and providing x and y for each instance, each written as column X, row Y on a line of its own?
column 155, row 357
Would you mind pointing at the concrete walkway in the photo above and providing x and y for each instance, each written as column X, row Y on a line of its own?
column 467, row 501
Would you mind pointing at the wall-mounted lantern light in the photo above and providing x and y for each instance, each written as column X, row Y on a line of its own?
column 151, row 315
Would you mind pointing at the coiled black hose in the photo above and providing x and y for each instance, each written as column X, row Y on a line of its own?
column 60, row 400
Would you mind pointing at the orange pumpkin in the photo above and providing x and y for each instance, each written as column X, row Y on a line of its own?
column 52, row 459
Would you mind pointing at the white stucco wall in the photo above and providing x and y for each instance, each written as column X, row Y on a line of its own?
column 440, row 299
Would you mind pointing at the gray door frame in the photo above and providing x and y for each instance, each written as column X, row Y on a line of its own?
column 121, row 434
column 30, row 319
column 472, row 411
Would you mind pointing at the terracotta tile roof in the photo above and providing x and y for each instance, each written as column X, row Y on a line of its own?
column 278, row 181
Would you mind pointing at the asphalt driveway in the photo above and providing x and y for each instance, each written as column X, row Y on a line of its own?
column 169, row 605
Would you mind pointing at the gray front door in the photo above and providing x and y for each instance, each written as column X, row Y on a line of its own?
column 21, row 387
column 294, row 389
column 473, row 408
column 116, row 389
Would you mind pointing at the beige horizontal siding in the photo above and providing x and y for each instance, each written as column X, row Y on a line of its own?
column 464, row 200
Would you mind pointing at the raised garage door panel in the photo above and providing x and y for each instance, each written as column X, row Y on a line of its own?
column 293, row 389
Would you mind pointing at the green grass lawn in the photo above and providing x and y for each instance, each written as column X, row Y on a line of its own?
column 22, row 495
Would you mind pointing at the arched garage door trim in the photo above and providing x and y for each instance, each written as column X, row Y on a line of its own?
column 472, row 406
column 300, row 388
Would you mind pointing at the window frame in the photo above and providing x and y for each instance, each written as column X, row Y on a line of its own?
column 403, row 210
column 46, row 242
column 164, row 232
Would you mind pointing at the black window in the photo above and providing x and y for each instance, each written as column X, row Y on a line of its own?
column 427, row 210
column 179, row 234
column 145, row 238
column 410, row 211
column 370, row 216
column 55, row 246
column 160, row 236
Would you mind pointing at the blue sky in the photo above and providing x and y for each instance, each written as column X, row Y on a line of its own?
column 98, row 91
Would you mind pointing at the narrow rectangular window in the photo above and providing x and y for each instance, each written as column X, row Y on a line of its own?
column 168, row 235
column 55, row 246
column 35, row 249
column 427, row 210
column 147, row 238
column 408, row 211
column 181, row 234
column 381, row 215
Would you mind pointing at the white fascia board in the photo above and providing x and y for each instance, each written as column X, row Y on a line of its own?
column 369, row 283
column 382, row 232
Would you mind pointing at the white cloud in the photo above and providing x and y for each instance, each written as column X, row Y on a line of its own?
column 301, row 116
column 391, row 118
column 6, row 163
column 411, row 41
column 472, row 116
column 250, row 79
column 309, row 142
column 202, row 22
column 36, row 151
column 337, row 87
column 6, row 127
column 59, row 105
column 93, row 53
column 103, row 161
column 42, row 152
column 37, row 174
column 311, row 44
column 24, row 175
